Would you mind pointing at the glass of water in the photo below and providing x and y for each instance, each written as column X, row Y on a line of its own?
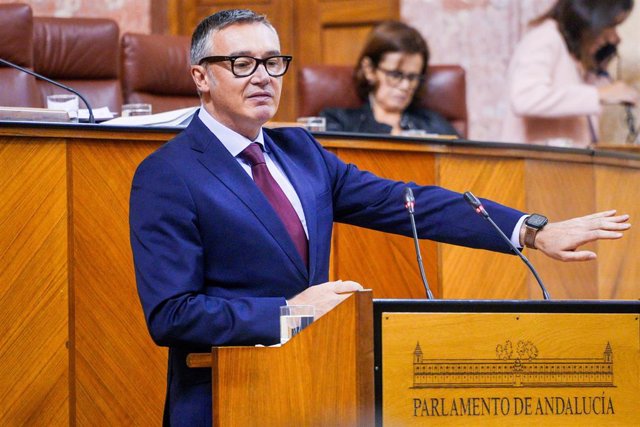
column 293, row 319
column 136, row 110
column 313, row 124
column 66, row 102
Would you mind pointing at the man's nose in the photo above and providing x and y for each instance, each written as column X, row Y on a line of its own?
column 260, row 76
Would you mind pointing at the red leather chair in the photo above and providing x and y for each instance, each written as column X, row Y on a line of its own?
column 16, row 45
column 155, row 70
column 324, row 86
column 81, row 53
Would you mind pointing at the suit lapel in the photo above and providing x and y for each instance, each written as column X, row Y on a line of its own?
column 304, row 189
column 215, row 157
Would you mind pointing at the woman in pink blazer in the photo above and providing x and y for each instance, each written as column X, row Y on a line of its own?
column 557, row 80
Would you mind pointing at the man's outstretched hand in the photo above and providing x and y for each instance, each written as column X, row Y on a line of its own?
column 561, row 240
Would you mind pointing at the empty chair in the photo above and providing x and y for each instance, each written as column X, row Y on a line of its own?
column 16, row 35
column 81, row 53
column 325, row 86
column 155, row 70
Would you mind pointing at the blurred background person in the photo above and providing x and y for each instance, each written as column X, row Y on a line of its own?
column 557, row 80
column 388, row 77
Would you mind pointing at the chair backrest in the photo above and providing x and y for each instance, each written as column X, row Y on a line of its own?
column 155, row 70
column 16, row 45
column 325, row 86
column 81, row 53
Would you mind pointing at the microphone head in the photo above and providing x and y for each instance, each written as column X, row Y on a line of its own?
column 409, row 200
column 475, row 202
column 472, row 199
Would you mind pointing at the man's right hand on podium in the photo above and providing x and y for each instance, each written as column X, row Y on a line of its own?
column 325, row 296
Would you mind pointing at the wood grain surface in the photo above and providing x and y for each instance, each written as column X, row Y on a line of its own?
column 358, row 252
column 111, row 340
column 34, row 331
column 321, row 377
column 469, row 273
column 73, row 343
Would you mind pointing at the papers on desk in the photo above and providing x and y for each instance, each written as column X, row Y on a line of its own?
column 99, row 114
column 50, row 115
column 27, row 114
column 174, row 118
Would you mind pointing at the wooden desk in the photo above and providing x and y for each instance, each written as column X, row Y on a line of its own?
column 74, row 345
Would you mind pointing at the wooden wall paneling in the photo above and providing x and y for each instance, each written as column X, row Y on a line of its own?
column 181, row 16
column 383, row 262
column 34, row 331
column 346, row 24
column 618, row 266
column 336, row 30
column 163, row 15
column 561, row 191
column 336, row 52
column 470, row 273
column 120, row 372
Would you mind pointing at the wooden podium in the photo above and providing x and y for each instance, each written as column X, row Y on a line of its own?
column 441, row 362
column 322, row 376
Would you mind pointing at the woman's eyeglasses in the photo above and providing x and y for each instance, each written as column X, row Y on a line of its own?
column 395, row 77
column 244, row 66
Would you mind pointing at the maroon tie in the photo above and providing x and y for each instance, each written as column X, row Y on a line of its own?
column 281, row 204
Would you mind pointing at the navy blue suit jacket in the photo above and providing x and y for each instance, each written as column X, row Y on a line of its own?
column 214, row 263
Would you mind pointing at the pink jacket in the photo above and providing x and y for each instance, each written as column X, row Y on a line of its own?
column 549, row 97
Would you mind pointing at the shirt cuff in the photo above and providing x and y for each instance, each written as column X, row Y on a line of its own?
column 515, row 235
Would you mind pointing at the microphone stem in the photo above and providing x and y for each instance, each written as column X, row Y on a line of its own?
column 545, row 294
column 419, row 256
column 53, row 82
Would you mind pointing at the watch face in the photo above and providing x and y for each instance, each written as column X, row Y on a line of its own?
column 536, row 221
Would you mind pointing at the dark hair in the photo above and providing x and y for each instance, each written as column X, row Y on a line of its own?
column 581, row 21
column 388, row 37
column 201, row 38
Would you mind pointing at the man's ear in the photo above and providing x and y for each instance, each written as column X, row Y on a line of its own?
column 200, row 78
column 368, row 69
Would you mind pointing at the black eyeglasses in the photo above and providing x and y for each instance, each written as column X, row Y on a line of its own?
column 244, row 66
column 395, row 77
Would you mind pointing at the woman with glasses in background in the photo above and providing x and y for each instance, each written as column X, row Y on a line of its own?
column 557, row 79
column 388, row 76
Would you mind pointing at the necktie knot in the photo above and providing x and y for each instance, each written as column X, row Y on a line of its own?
column 252, row 154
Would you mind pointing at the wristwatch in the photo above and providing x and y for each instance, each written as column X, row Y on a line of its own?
column 533, row 224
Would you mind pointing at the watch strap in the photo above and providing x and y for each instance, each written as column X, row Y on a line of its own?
column 530, row 236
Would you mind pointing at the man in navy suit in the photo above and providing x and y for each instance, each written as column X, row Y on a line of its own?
column 214, row 258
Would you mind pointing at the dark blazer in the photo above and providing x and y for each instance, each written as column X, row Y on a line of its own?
column 214, row 263
column 361, row 120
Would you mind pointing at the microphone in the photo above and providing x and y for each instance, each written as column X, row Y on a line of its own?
column 409, row 204
column 477, row 205
column 53, row 82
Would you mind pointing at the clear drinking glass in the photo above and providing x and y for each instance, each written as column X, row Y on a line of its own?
column 293, row 319
column 313, row 124
column 66, row 102
column 136, row 110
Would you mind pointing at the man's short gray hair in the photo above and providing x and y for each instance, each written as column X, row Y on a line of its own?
column 201, row 38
